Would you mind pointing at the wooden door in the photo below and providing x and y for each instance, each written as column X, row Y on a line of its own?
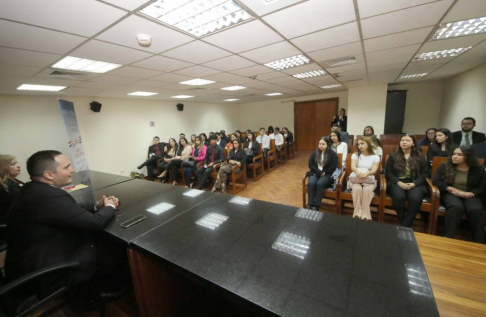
column 313, row 121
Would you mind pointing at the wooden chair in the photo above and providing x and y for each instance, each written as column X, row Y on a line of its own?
column 394, row 142
column 291, row 149
column 237, row 179
column 329, row 193
column 256, row 166
column 271, row 160
column 243, row 135
column 350, row 139
column 391, row 136
column 424, row 150
column 387, row 150
column 429, row 204
column 214, row 173
column 345, row 196
column 283, row 153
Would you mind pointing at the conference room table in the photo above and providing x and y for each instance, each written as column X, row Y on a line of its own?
column 223, row 255
column 95, row 180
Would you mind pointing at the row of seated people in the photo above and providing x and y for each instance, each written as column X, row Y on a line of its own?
column 457, row 187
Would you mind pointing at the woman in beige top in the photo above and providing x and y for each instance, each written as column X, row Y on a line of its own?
column 183, row 154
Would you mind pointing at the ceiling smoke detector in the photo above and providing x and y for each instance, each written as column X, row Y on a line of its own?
column 144, row 40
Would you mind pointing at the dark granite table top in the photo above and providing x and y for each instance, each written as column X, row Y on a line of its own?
column 158, row 202
column 95, row 180
column 297, row 262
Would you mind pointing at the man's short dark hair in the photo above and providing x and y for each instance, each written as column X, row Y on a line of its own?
column 470, row 118
column 336, row 125
column 182, row 134
column 276, row 129
column 156, row 137
column 213, row 137
column 261, row 129
column 42, row 161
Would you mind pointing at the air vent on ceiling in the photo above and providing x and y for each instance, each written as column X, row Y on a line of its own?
column 341, row 61
column 71, row 75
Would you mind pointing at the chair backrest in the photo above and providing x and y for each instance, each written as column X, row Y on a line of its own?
column 419, row 137
column 390, row 142
column 272, row 144
column 390, row 136
column 350, row 139
column 424, row 150
column 340, row 159
column 387, row 150
column 243, row 135
column 260, row 151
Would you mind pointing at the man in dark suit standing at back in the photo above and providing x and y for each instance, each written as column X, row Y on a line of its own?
column 46, row 226
column 467, row 136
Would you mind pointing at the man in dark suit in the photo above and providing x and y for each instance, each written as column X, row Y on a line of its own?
column 46, row 226
column 214, row 155
column 467, row 136
column 155, row 152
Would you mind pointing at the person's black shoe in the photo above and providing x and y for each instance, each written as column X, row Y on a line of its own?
column 109, row 296
column 140, row 166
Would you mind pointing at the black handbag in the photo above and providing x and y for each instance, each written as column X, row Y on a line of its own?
column 189, row 163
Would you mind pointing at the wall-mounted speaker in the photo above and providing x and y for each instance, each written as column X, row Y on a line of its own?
column 180, row 106
column 95, row 106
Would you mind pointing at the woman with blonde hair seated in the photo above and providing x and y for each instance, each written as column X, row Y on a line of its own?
column 9, row 184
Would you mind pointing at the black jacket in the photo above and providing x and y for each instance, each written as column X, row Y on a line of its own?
column 239, row 156
column 289, row 138
column 476, row 180
column 218, row 154
column 435, row 150
column 330, row 166
column 255, row 147
column 392, row 174
column 161, row 145
column 477, row 137
column 46, row 226
column 342, row 123
column 8, row 197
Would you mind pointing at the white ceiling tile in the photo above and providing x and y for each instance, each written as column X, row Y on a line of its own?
column 151, row 83
column 356, row 74
column 347, row 68
column 95, row 85
column 76, row 91
column 383, row 77
column 338, row 35
column 252, row 71
column 418, row 70
column 408, row 50
column 287, row 78
column 389, row 61
column 127, row 4
column 302, row 69
column 435, row 61
column 197, row 52
column 369, row 8
column 404, row 20
column 242, row 37
column 466, row 9
column 109, row 79
column 72, row 16
column 261, row 8
column 397, row 40
column 457, row 42
column 271, row 75
column 171, row 78
column 79, row 76
column 197, row 71
column 384, row 68
column 15, row 35
column 162, row 64
column 321, row 80
column 311, row 16
column 134, row 72
column 15, row 70
column 125, row 33
column 107, row 52
column 336, row 52
column 27, row 58
column 229, row 78
column 230, row 63
column 11, row 83
column 272, row 52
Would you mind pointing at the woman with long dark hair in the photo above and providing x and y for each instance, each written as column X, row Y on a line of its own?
column 252, row 147
column 368, row 130
column 322, row 163
column 443, row 146
column 197, row 156
column 429, row 137
column 204, row 139
column 236, row 157
column 183, row 153
column 406, row 171
column 462, row 184
column 163, row 166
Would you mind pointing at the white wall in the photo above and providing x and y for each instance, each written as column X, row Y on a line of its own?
column 116, row 139
column 423, row 106
column 465, row 96
column 366, row 106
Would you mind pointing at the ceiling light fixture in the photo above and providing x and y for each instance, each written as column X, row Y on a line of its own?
column 197, row 82
column 231, row 99
column 274, row 94
column 289, row 62
column 182, row 97
column 459, row 28
column 313, row 73
column 440, row 54
column 41, row 87
column 233, row 88
column 341, row 61
column 197, row 17
column 330, row 86
column 142, row 93
column 413, row 76
column 85, row 65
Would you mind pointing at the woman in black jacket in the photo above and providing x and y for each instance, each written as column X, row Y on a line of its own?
column 462, row 184
column 236, row 157
column 253, row 146
column 9, row 184
column 322, row 164
column 406, row 171
column 442, row 146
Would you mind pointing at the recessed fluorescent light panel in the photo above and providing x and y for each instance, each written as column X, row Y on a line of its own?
column 197, row 17
column 231, row 99
column 233, row 88
column 274, row 94
column 197, row 82
column 341, row 61
column 413, row 76
column 292, row 244
column 330, row 86
column 85, row 65
column 311, row 74
column 142, row 93
column 212, row 220
column 182, row 97
column 40, row 87
column 460, row 28
column 288, row 62
column 440, row 54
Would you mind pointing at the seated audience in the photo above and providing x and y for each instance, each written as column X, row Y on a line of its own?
column 198, row 155
column 322, row 164
column 375, row 143
column 155, row 151
column 279, row 140
column 270, row 130
column 288, row 136
column 344, row 135
column 183, row 153
column 462, row 184
column 406, row 171
column 9, row 184
column 467, row 136
column 264, row 140
column 341, row 120
column 443, row 146
column 214, row 155
column 252, row 148
column 246, row 138
column 204, row 139
column 238, row 136
column 220, row 141
column 429, row 137
column 364, row 164
column 182, row 135
column 236, row 158
column 163, row 167
column 229, row 145
column 368, row 130
column 193, row 141
column 224, row 137
column 339, row 147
